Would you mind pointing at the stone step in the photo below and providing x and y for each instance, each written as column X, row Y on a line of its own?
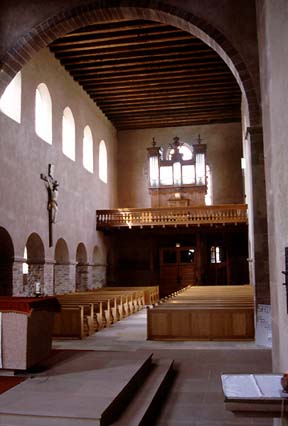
column 142, row 406
column 85, row 389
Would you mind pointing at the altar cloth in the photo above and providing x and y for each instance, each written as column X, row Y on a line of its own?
column 254, row 392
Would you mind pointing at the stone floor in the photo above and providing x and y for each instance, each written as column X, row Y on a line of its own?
column 195, row 396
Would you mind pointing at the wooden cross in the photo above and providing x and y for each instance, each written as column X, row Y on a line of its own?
column 52, row 189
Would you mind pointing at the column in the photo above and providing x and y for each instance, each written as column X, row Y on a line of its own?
column 48, row 276
column 258, row 214
column 17, row 278
column 81, row 277
column 64, row 277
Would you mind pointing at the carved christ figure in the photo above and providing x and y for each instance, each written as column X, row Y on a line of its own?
column 52, row 203
column 52, row 188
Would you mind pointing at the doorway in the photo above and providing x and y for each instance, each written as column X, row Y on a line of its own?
column 177, row 268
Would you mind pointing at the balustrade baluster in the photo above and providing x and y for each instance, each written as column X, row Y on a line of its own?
column 196, row 215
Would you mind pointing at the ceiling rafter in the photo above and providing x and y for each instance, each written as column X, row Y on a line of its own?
column 146, row 74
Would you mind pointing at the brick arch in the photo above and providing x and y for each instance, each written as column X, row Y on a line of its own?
column 46, row 32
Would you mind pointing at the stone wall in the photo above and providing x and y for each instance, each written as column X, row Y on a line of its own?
column 273, row 49
column 24, row 156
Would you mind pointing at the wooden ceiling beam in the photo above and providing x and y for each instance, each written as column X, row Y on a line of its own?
column 143, row 71
column 166, row 106
column 132, row 60
column 198, row 86
column 159, row 84
column 173, row 123
column 129, row 55
column 130, row 43
column 137, row 49
column 148, row 74
column 168, row 120
column 171, row 100
column 192, row 121
column 108, row 27
column 172, row 94
column 130, row 37
column 144, row 81
column 144, row 65
column 219, row 111
column 116, row 78
column 144, row 74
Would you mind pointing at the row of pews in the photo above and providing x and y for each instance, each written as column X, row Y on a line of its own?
column 204, row 313
column 84, row 313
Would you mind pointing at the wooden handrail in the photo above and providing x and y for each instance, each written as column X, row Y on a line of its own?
column 171, row 216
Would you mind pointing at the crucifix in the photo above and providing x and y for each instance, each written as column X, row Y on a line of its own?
column 52, row 189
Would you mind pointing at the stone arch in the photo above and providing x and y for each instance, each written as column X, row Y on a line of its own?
column 64, row 271
column 98, row 268
column 6, row 263
column 81, row 268
column 61, row 251
column 81, row 253
column 54, row 27
column 35, row 260
column 98, row 256
column 35, row 249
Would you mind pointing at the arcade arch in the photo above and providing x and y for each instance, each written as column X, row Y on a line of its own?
column 6, row 263
column 63, row 277
column 99, row 268
column 35, row 261
column 81, row 268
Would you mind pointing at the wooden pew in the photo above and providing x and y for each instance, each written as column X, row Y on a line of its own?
column 204, row 313
column 84, row 313
column 151, row 293
column 106, row 308
column 103, row 316
column 69, row 322
column 135, row 297
column 95, row 312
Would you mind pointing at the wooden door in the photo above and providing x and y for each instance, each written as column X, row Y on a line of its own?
column 177, row 268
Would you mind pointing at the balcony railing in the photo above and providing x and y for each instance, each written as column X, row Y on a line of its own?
column 171, row 216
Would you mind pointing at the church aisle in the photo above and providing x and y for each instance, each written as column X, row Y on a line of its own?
column 195, row 397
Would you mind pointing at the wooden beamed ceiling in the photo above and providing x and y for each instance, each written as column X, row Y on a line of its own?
column 145, row 74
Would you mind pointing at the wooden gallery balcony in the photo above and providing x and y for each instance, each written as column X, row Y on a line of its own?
column 171, row 216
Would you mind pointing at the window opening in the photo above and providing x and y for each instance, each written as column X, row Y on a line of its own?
column 68, row 134
column 184, row 150
column 88, row 149
column 215, row 254
column 43, row 113
column 103, row 162
column 10, row 101
column 208, row 196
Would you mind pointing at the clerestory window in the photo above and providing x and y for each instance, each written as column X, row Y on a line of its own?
column 43, row 113
column 68, row 134
column 10, row 101
column 103, row 162
column 88, row 149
